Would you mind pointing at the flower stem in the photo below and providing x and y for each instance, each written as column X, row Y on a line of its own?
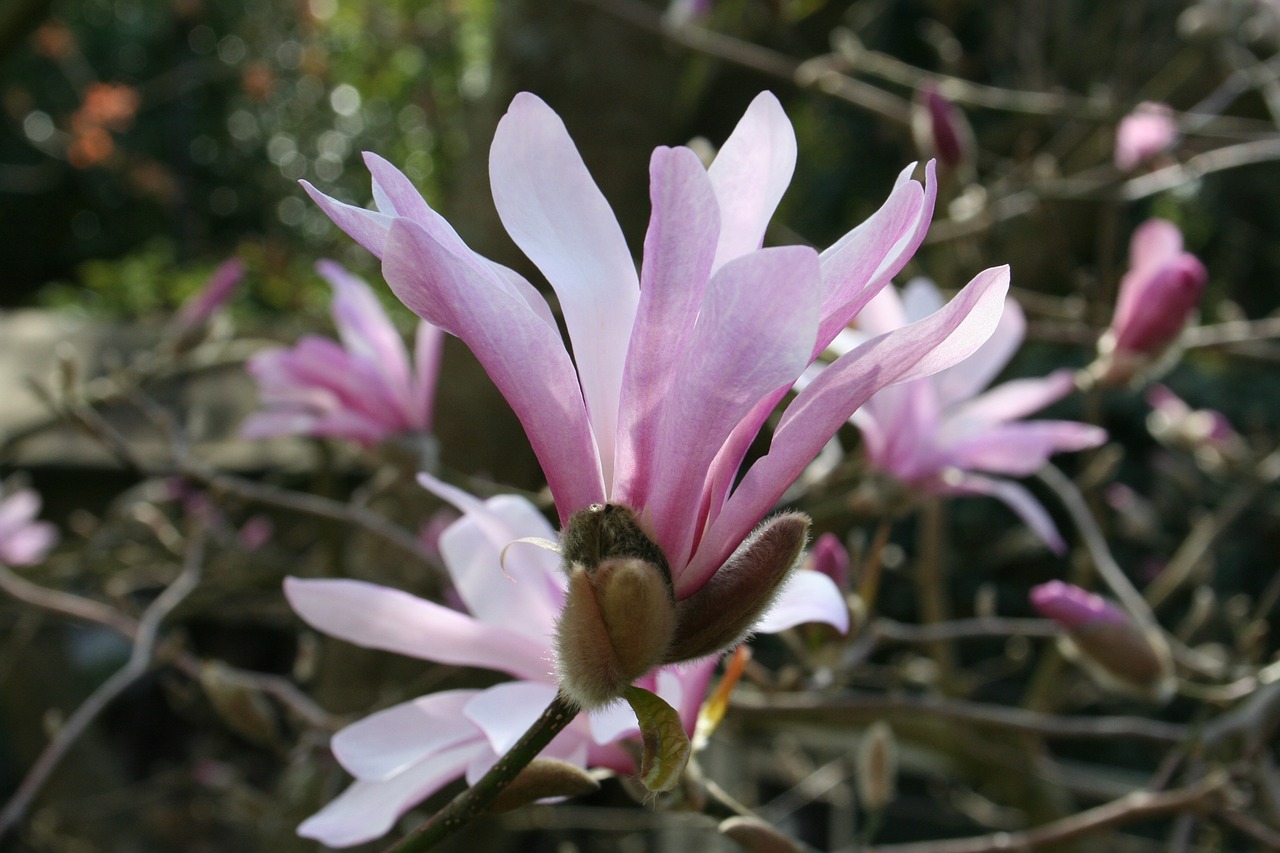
column 472, row 802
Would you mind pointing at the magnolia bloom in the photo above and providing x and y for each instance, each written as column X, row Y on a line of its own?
column 1147, row 131
column 362, row 389
column 1112, row 646
column 403, row 754
column 1157, row 297
column 675, row 369
column 23, row 540
column 942, row 435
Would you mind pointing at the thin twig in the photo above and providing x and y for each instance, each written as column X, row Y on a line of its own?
column 137, row 666
column 1140, row 805
column 472, row 802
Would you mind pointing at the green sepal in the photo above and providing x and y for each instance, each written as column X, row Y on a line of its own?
column 666, row 746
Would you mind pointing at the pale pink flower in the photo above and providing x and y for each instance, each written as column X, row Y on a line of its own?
column 942, row 435
column 363, row 389
column 403, row 754
column 676, row 369
column 1147, row 131
column 1158, row 296
column 23, row 539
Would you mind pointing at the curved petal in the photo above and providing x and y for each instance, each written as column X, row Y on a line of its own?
column 367, row 227
column 504, row 712
column 750, row 174
column 365, row 330
column 976, row 372
column 1014, row 399
column 861, row 262
column 806, row 596
column 1019, row 449
column 924, row 347
column 523, row 356
column 1014, row 496
column 678, row 250
column 521, row 589
column 378, row 617
column 390, row 741
column 753, row 335
column 367, row 810
column 555, row 213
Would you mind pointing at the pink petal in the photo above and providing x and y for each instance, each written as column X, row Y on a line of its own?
column 882, row 313
column 367, row 227
column 365, row 330
column 368, row 810
column 684, row 687
column 861, row 262
column 678, row 251
column 1014, row 399
column 28, row 545
column 613, row 723
column 1021, row 448
column 807, row 596
column 17, row 510
column 394, row 194
column 554, row 211
column 428, row 350
column 504, row 712
column 378, row 617
column 978, row 370
column 927, row 346
column 753, row 335
column 750, row 174
column 520, row 590
column 392, row 740
column 523, row 355
column 1017, row 498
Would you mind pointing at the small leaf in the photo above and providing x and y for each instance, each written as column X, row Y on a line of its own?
column 666, row 746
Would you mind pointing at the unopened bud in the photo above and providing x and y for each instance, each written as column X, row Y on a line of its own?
column 756, row 836
column 1157, row 297
column 1117, row 652
column 877, row 763
column 940, row 129
column 829, row 556
column 617, row 623
column 723, row 611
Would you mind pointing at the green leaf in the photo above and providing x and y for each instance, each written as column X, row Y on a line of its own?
column 666, row 746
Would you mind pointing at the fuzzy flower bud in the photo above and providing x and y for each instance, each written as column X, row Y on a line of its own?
column 1117, row 652
column 1144, row 133
column 877, row 760
column 1157, row 297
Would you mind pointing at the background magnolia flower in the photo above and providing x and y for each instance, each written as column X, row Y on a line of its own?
column 1157, row 297
column 403, row 754
column 362, row 389
column 23, row 539
column 1144, row 133
column 677, row 368
column 941, row 435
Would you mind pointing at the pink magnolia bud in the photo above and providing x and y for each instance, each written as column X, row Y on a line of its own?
column 830, row 557
column 1157, row 297
column 940, row 129
column 1144, row 133
column 216, row 292
column 1174, row 423
column 1116, row 651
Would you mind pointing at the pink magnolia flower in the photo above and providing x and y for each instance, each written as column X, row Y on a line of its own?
column 1157, row 297
column 1147, row 131
column 362, row 389
column 403, row 754
column 941, row 435
column 675, row 369
column 1107, row 640
column 23, row 540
